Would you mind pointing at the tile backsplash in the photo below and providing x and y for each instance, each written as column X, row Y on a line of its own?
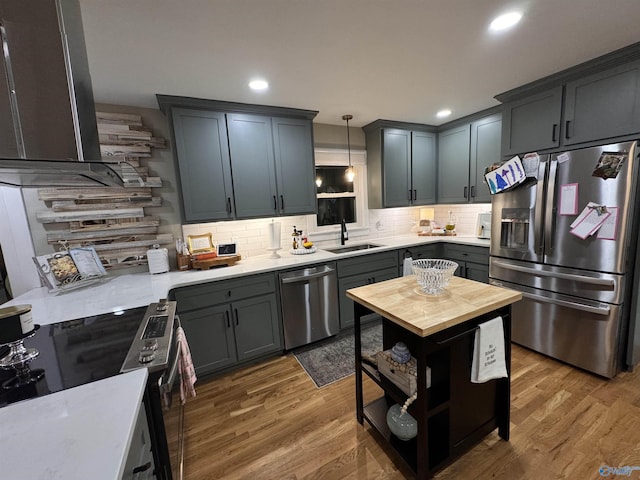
column 252, row 237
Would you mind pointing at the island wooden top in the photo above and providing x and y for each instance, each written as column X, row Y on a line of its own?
column 402, row 301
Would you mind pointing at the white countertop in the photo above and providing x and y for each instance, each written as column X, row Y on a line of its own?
column 140, row 289
column 79, row 433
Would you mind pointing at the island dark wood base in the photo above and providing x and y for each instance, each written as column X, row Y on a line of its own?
column 453, row 414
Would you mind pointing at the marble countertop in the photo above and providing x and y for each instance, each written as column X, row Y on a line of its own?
column 79, row 433
column 402, row 301
column 140, row 289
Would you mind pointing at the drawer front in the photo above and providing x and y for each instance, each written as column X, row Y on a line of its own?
column 215, row 293
column 467, row 254
column 367, row 263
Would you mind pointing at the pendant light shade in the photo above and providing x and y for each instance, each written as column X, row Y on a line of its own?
column 350, row 172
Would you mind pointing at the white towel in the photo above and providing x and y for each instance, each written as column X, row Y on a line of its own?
column 185, row 367
column 488, row 352
column 406, row 267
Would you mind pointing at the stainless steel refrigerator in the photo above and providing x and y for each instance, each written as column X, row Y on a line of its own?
column 578, row 292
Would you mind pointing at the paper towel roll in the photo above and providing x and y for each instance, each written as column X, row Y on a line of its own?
column 274, row 235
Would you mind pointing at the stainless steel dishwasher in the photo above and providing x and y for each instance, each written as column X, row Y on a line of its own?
column 309, row 300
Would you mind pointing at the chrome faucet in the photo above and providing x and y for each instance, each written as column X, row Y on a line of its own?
column 344, row 235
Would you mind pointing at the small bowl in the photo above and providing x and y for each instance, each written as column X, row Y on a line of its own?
column 433, row 274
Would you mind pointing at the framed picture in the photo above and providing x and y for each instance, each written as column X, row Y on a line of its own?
column 200, row 243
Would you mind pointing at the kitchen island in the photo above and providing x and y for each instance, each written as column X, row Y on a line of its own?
column 453, row 414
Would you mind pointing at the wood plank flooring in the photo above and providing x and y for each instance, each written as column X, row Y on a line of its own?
column 269, row 421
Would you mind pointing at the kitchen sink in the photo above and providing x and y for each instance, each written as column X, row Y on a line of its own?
column 351, row 248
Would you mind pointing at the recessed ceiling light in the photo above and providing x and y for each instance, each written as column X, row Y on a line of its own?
column 258, row 84
column 505, row 21
column 443, row 113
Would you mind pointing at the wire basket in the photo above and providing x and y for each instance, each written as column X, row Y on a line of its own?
column 433, row 274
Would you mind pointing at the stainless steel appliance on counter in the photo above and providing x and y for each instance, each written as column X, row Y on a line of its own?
column 577, row 291
column 309, row 300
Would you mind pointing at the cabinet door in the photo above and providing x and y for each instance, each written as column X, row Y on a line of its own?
column 603, row 105
column 344, row 284
column 295, row 169
column 485, row 150
column 210, row 335
column 532, row 123
column 256, row 326
column 396, row 155
column 203, row 164
column 476, row 271
column 453, row 165
column 252, row 161
column 423, row 168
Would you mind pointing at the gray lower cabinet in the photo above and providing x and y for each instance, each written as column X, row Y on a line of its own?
column 359, row 271
column 473, row 261
column 464, row 152
column 401, row 164
column 139, row 463
column 228, row 322
column 432, row 250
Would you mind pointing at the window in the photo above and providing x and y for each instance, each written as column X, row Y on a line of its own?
column 336, row 197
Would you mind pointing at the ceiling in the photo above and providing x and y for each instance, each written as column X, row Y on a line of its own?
column 393, row 59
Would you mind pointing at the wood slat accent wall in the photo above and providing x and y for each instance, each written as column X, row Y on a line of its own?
column 114, row 220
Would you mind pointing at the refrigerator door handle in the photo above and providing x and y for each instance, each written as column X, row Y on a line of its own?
column 539, row 213
column 563, row 303
column 550, row 213
column 608, row 282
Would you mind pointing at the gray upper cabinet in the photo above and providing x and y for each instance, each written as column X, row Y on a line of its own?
column 453, row 164
column 295, row 170
column 597, row 101
column 532, row 123
column 485, row 150
column 238, row 161
column 603, row 105
column 401, row 164
column 464, row 152
column 204, row 170
column 254, row 176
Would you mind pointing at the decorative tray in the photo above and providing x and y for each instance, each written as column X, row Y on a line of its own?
column 303, row 251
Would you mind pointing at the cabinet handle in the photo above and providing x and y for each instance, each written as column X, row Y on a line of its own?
column 281, row 202
column 473, row 191
column 566, row 128
column 142, row 468
column 415, row 194
column 465, row 192
column 410, row 195
column 554, row 132
column 275, row 203
column 229, row 205
column 235, row 310
column 228, row 322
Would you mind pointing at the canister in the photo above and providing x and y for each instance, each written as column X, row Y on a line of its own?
column 158, row 259
column 15, row 323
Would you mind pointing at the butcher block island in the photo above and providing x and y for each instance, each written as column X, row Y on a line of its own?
column 452, row 413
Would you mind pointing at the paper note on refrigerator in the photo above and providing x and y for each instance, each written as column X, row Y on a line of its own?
column 609, row 228
column 590, row 223
column 583, row 214
column 568, row 199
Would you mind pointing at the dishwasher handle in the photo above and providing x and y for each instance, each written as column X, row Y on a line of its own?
column 306, row 275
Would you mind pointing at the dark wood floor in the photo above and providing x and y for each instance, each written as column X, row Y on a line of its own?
column 269, row 421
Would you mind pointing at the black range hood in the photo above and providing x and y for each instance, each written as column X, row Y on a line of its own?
column 60, row 173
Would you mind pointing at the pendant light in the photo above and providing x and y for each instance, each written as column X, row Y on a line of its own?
column 349, row 173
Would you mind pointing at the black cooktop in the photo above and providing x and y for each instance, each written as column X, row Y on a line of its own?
column 73, row 353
